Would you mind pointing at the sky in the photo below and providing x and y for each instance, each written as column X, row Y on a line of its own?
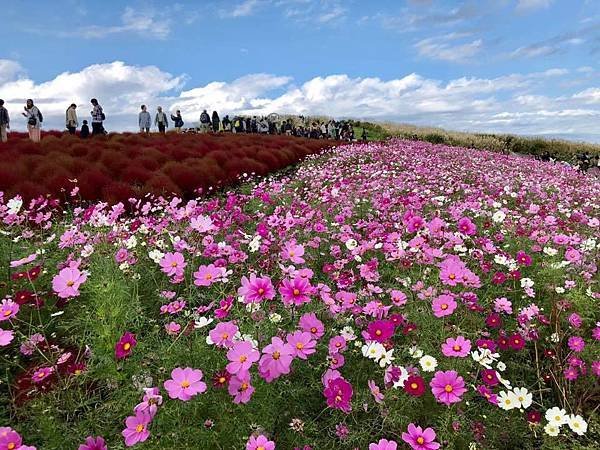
column 528, row 67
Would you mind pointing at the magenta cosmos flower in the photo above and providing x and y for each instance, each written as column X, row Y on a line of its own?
column 375, row 391
column 420, row 439
column 222, row 335
column 66, row 283
column 41, row 374
column 444, row 305
column 240, row 388
column 93, row 443
column 293, row 252
column 207, row 275
column 380, row 330
column 339, row 394
column 456, row 347
column 260, row 442
column 276, row 359
column 185, row 383
column 302, row 344
column 173, row 264
column 447, row 387
column 295, row 292
column 150, row 402
column 255, row 290
column 241, row 356
column 465, row 226
column 6, row 337
column 8, row 309
column 383, row 444
column 136, row 429
column 9, row 439
column 125, row 346
column 576, row 344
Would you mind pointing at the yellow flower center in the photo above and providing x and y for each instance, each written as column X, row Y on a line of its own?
column 208, row 276
column 378, row 333
column 185, row 384
column 448, row 388
column 296, row 292
column 225, row 336
column 260, row 448
column 41, row 374
column 243, row 358
column 420, row 440
column 11, row 446
column 77, row 372
column 261, row 291
column 7, row 313
column 414, row 385
column 139, row 428
column 452, row 276
column 244, row 386
column 444, row 306
column 70, row 283
column 126, row 346
column 276, row 355
column 299, row 345
column 222, row 380
column 313, row 330
column 557, row 418
column 456, row 347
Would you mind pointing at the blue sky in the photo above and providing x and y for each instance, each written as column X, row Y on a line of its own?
column 523, row 66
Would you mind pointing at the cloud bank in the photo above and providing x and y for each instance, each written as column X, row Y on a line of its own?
column 510, row 103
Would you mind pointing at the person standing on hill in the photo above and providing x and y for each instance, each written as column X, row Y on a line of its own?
column 177, row 121
column 98, row 118
column 215, row 122
column 160, row 120
column 34, row 121
column 204, row 122
column 71, row 118
column 144, row 120
column 4, row 122
column 85, row 130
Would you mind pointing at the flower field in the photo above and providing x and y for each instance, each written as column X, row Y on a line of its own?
column 119, row 166
column 383, row 296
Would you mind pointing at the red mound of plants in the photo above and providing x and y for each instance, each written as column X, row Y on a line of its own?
column 118, row 166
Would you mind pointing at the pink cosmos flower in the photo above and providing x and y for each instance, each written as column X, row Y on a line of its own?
column 523, row 258
column 136, row 429
column 172, row 328
column 302, row 344
column 41, row 374
column 259, row 442
column 576, row 343
column 414, row 224
column 398, row 297
column 337, row 344
column 93, row 443
column 122, row 255
column 255, row 290
column 66, row 283
column 465, row 226
column 240, row 388
column 447, row 387
column 150, row 402
column 241, row 356
column 125, row 346
column 6, row 337
column 276, row 359
column 295, row 292
column 222, row 335
column 293, row 252
column 459, row 347
column 375, row 391
column 185, row 383
column 575, row 320
column 384, row 444
column 339, row 394
column 207, row 275
column 309, row 323
column 173, row 264
column 23, row 261
column 8, row 309
column 444, row 305
column 420, row 439
column 9, row 439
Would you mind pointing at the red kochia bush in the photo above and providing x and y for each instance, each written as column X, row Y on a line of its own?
column 122, row 165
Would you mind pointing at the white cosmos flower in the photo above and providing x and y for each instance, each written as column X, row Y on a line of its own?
column 348, row 333
column 577, row 424
column 415, row 352
column 387, row 358
column 499, row 216
column 14, row 205
column 402, row 379
column 373, row 350
column 524, row 397
column 156, row 255
column 254, row 244
column 556, row 416
column 550, row 251
column 551, row 429
column 351, row 244
column 275, row 318
column 501, row 366
column 202, row 322
column 507, row 400
column 428, row 363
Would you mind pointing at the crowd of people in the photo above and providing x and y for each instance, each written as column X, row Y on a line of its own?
column 272, row 124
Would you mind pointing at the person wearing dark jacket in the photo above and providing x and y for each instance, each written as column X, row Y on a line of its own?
column 4, row 122
column 215, row 122
column 160, row 120
column 226, row 123
column 204, row 122
column 85, row 130
column 177, row 121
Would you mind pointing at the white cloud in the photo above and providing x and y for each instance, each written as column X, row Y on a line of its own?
column 143, row 22
column 445, row 47
column 509, row 103
column 532, row 5
column 243, row 9
column 9, row 70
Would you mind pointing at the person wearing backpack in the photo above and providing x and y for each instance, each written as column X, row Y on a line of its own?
column 4, row 122
column 98, row 118
column 144, row 120
column 161, row 120
column 204, row 122
column 34, row 121
column 71, row 118
column 177, row 121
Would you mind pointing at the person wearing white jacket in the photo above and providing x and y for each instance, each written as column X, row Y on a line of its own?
column 71, row 118
column 34, row 121
column 144, row 120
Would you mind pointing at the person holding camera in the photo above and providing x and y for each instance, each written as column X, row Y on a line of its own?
column 34, row 121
